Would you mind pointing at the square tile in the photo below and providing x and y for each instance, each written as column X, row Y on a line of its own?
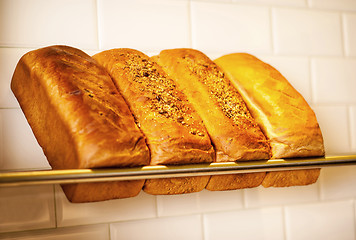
column 352, row 112
column 260, row 196
column 347, row 5
column 291, row 3
column 334, row 80
column 188, row 204
column 92, row 232
column 143, row 25
column 211, row 201
column 226, row 28
column 349, row 29
column 9, row 58
column 47, row 22
column 306, row 32
column 338, row 182
column 173, row 228
column 333, row 122
column 263, row 223
column 27, row 207
column 20, row 148
column 323, row 220
column 73, row 214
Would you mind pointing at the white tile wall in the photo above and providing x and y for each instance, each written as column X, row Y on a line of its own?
column 20, row 147
column 176, row 228
column 44, row 22
column 71, row 214
column 231, row 26
column 212, row 201
column 334, row 80
column 260, row 197
column 326, row 220
column 349, row 24
column 167, row 204
column 8, row 60
column 144, row 25
column 346, row 5
column 307, row 32
column 92, row 232
column 333, row 121
column 338, row 183
column 312, row 43
column 353, row 128
column 263, row 223
column 294, row 3
column 24, row 208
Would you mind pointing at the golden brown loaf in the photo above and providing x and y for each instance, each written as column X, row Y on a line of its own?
column 233, row 131
column 174, row 131
column 282, row 113
column 78, row 116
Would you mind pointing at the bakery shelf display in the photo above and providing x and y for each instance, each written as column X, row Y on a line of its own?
column 118, row 122
column 38, row 177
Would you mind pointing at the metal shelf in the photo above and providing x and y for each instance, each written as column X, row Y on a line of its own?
column 39, row 177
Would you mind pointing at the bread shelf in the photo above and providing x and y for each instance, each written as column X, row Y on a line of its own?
column 39, row 177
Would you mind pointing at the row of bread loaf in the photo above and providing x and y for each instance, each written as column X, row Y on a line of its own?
column 121, row 108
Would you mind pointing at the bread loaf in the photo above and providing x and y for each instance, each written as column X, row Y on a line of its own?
column 233, row 131
column 174, row 131
column 79, row 118
column 282, row 113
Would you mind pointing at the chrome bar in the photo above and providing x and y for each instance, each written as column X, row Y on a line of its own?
column 38, row 177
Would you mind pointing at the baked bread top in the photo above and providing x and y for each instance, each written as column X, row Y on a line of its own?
column 282, row 113
column 76, row 113
column 233, row 131
column 175, row 133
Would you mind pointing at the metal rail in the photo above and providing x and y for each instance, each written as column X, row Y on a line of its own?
column 39, row 177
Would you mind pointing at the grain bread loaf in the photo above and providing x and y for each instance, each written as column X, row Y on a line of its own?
column 282, row 113
column 79, row 118
column 174, row 131
column 233, row 131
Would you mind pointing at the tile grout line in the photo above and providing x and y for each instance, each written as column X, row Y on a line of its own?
column 271, row 26
column 342, row 34
column 243, row 199
column 349, row 126
column 202, row 224
column 98, row 44
column 109, row 230
column 190, row 23
column 354, row 217
column 311, row 82
column 284, row 219
column 55, row 205
column 156, row 206
column 308, row 4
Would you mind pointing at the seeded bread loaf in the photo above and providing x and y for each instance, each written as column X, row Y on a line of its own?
column 79, row 118
column 174, row 131
column 233, row 131
column 282, row 113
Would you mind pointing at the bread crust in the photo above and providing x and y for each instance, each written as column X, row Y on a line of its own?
column 235, row 181
column 172, row 186
column 78, row 117
column 291, row 178
column 174, row 131
column 231, row 128
column 282, row 113
column 233, row 131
